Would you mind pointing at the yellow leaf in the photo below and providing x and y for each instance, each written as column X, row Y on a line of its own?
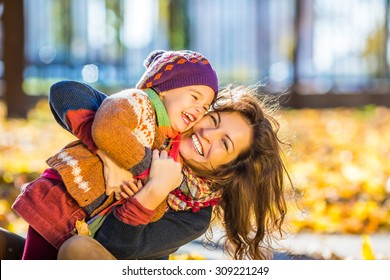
column 367, row 252
column 82, row 228
column 186, row 256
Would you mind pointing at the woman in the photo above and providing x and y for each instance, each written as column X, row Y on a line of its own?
column 235, row 146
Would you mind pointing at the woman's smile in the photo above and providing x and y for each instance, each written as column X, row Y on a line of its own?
column 197, row 144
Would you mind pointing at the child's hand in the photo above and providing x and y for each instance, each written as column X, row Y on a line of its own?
column 129, row 188
column 114, row 175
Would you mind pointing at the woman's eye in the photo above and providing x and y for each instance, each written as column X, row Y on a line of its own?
column 224, row 142
column 214, row 120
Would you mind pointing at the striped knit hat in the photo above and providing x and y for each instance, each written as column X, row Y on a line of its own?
column 167, row 70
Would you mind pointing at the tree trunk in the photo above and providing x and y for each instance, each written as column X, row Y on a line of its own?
column 178, row 25
column 13, row 21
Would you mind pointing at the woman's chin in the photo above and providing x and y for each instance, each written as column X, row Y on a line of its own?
column 190, row 157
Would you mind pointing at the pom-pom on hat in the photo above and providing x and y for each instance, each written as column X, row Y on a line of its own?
column 167, row 70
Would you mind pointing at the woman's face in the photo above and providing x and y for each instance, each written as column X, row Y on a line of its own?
column 217, row 139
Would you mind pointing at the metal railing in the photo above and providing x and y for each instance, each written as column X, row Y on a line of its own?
column 324, row 52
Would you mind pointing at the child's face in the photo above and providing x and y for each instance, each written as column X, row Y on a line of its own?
column 187, row 105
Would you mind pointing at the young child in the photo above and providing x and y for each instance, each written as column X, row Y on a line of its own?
column 176, row 90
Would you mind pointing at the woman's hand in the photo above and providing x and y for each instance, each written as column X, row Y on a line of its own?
column 165, row 171
column 114, row 175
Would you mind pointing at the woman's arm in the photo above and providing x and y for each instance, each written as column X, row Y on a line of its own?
column 74, row 106
column 155, row 240
column 127, row 232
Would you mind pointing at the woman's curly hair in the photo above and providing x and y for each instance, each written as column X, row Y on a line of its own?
column 253, row 205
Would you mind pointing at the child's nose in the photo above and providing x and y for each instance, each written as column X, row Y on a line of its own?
column 200, row 109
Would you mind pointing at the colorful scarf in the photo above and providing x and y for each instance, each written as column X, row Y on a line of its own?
column 194, row 193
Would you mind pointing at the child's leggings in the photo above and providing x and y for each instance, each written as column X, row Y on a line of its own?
column 37, row 248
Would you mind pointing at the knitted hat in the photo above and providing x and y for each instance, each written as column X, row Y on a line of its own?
column 167, row 70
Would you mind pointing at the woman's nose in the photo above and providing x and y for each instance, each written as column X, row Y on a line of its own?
column 211, row 133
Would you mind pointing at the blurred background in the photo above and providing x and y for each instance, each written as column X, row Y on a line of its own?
column 328, row 59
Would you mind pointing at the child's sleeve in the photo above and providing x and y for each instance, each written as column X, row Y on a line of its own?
column 134, row 213
column 124, row 128
column 74, row 105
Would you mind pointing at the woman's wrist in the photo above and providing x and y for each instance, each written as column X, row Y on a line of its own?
column 151, row 195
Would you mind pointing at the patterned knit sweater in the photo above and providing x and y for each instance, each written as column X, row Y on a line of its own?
column 127, row 127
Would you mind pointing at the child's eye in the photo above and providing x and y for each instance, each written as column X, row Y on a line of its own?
column 195, row 97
